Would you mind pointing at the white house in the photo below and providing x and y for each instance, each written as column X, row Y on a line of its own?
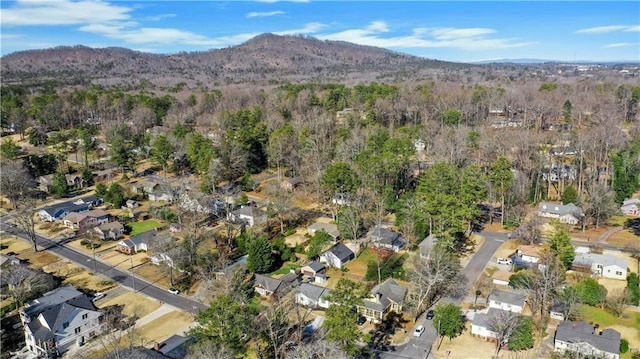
column 581, row 337
column 337, row 256
column 312, row 296
column 565, row 213
column 631, row 207
column 58, row 320
column 483, row 323
column 529, row 254
column 501, row 278
column 509, row 301
column 249, row 215
column 605, row 265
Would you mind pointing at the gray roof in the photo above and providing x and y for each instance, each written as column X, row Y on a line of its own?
column 560, row 209
column 110, row 226
column 389, row 291
column 507, row 297
column 342, row 252
column 386, row 236
column 482, row 319
column 249, row 211
column 330, row 228
column 316, row 266
column 57, row 296
column 583, row 332
column 313, row 291
column 268, row 283
column 606, row 260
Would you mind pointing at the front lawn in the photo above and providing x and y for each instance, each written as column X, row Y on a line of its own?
column 143, row 226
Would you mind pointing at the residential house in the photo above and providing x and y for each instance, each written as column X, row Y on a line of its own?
column 386, row 297
column 267, row 286
column 342, row 199
column 509, row 301
column 426, row 246
column 581, row 337
column 75, row 181
column 312, row 269
column 9, row 260
column 385, row 238
column 330, row 228
column 104, row 175
column 483, row 323
column 312, row 296
column 291, row 183
column 337, row 256
column 605, row 265
column 630, row 207
column 565, row 213
column 248, row 215
column 56, row 212
column 132, row 203
column 137, row 243
column 501, row 278
column 163, row 192
column 111, row 230
column 557, row 310
column 86, row 220
column 58, row 320
column 194, row 201
column 527, row 255
column 144, row 187
column 175, row 227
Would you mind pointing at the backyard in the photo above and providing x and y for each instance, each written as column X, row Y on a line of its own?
column 143, row 226
column 628, row 325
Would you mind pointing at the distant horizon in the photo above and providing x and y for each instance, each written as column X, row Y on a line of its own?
column 456, row 31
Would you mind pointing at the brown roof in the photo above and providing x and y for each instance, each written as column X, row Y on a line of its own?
column 532, row 251
column 502, row 275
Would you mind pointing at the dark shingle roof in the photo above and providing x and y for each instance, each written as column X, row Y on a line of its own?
column 583, row 332
column 313, row 291
column 507, row 297
column 342, row 252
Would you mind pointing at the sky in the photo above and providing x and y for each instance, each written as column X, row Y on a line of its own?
column 452, row 31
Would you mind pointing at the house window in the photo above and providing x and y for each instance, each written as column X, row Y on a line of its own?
column 618, row 273
column 77, row 330
column 85, row 315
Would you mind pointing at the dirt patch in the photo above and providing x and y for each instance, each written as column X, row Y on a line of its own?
column 133, row 303
column 297, row 238
column 613, row 285
column 164, row 327
column 630, row 334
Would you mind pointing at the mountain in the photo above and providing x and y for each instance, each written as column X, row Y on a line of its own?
column 265, row 58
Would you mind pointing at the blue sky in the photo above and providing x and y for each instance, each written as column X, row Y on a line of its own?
column 453, row 31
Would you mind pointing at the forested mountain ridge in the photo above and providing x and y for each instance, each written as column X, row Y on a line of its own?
column 264, row 58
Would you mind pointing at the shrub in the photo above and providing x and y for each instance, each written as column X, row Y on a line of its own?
column 84, row 242
column 624, row 346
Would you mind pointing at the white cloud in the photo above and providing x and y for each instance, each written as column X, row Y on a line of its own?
column 309, row 28
column 10, row 36
column 620, row 44
column 158, row 17
column 461, row 38
column 264, row 14
column 607, row 29
column 62, row 12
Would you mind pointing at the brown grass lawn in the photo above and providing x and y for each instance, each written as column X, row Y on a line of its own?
column 15, row 245
column 624, row 238
column 39, row 259
column 136, row 303
column 79, row 277
column 613, row 285
column 162, row 328
column 104, row 246
column 468, row 347
column 155, row 274
column 123, row 261
column 297, row 238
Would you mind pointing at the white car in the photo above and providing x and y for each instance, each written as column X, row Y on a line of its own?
column 174, row 291
column 506, row 261
column 98, row 296
column 418, row 332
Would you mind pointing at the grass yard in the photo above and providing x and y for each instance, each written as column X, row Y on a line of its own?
column 143, row 226
column 286, row 267
column 14, row 245
column 79, row 277
column 39, row 259
column 156, row 274
column 139, row 304
column 163, row 327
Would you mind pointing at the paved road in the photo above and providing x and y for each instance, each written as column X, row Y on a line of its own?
column 124, row 278
column 419, row 348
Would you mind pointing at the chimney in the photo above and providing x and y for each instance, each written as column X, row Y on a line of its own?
column 156, row 346
column 378, row 297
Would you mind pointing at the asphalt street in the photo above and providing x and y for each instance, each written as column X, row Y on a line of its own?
column 125, row 278
column 419, row 348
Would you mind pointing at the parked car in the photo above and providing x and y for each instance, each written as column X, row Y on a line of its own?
column 174, row 291
column 430, row 314
column 506, row 261
column 418, row 332
column 361, row 320
column 98, row 296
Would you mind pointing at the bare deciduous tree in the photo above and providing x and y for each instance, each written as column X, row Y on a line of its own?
column 504, row 324
column 618, row 300
column 209, row 350
column 24, row 283
column 26, row 220
column 431, row 278
column 14, row 181
column 530, row 230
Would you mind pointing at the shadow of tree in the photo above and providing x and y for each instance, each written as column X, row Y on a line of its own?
column 633, row 225
column 381, row 334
